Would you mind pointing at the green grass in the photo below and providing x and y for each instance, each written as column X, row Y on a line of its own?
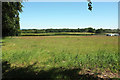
column 96, row 53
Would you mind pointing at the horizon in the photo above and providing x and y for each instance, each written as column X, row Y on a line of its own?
column 57, row 15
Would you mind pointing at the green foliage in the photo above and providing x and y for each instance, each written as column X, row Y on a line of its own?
column 83, row 30
column 99, row 30
column 89, row 5
column 90, row 29
column 10, row 18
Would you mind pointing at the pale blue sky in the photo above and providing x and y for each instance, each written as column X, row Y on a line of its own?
column 43, row 15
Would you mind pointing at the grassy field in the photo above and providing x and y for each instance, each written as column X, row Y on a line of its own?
column 58, row 33
column 66, row 57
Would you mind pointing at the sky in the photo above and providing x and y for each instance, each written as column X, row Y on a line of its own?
column 60, row 0
column 45, row 15
column 71, row 0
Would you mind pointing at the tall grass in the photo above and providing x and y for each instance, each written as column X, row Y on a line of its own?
column 98, row 53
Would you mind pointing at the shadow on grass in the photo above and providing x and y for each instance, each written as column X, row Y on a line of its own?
column 1, row 44
column 51, row 74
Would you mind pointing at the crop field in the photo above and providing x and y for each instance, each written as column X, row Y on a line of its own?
column 58, row 34
column 66, row 57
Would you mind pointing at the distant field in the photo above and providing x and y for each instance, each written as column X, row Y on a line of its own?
column 56, row 34
column 96, row 54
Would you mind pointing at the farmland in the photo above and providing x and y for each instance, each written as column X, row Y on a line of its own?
column 53, row 56
column 58, row 34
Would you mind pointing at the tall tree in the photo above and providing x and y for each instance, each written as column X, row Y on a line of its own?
column 10, row 18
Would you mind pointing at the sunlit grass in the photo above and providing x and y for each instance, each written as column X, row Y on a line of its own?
column 86, row 52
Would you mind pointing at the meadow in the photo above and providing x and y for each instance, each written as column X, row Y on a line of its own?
column 65, row 57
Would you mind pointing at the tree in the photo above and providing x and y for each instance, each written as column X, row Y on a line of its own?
column 99, row 30
column 90, row 29
column 10, row 18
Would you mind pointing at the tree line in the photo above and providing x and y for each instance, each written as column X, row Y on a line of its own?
column 90, row 29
